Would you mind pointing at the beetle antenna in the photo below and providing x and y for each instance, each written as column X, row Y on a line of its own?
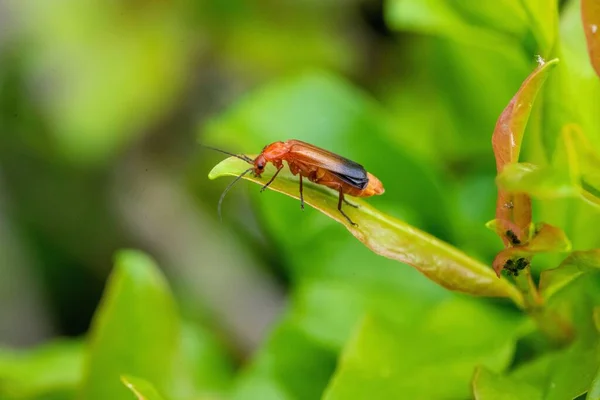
column 240, row 176
column 240, row 156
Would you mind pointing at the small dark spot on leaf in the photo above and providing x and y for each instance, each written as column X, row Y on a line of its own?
column 521, row 264
column 512, row 237
column 514, row 266
column 510, row 267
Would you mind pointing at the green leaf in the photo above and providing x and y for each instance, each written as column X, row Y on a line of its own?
column 574, row 266
column 494, row 25
column 576, row 172
column 543, row 21
column 392, row 360
column 590, row 13
column 488, row 385
column 291, row 365
column 568, row 372
column 321, row 318
column 52, row 368
column 540, row 182
column 389, row 237
column 572, row 370
column 142, row 389
column 546, row 238
column 135, row 330
column 594, row 392
column 328, row 311
column 573, row 94
column 481, row 24
column 322, row 109
column 584, row 163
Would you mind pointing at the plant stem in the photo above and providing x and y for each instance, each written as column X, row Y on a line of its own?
column 550, row 323
column 526, row 286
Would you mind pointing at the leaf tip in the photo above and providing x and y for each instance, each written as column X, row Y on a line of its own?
column 541, row 62
column 126, row 380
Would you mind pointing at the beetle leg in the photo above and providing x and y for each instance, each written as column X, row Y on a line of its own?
column 341, row 199
column 350, row 204
column 272, row 179
column 301, row 194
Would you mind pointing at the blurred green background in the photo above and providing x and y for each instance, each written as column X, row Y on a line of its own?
column 102, row 106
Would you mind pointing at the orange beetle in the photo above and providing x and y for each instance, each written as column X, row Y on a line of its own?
column 317, row 165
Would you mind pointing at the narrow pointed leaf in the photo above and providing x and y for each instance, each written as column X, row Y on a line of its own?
column 388, row 236
column 590, row 15
column 134, row 332
column 507, row 140
column 574, row 266
column 547, row 238
column 508, row 134
column 142, row 389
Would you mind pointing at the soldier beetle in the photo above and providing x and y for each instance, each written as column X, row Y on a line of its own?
column 315, row 164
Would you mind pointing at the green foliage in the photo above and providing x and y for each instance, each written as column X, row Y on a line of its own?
column 488, row 385
column 141, row 388
column 358, row 323
column 389, row 237
column 137, row 342
column 385, row 359
column 52, row 369
column 122, row 321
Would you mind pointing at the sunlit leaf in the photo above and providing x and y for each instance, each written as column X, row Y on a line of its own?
column 579, row 179
column 594, row 391
column 485, row 24
column 574, row 266
column 135, row 330
column 571, row 371
column 590, row 13
column 478, row 24
column 568, row 372
column 385, row 360
column 327, row 111
column 388, row 236
column 543, row 20
column 507, row 140
column 298, row 359
column 546, row 238
column 142, row 389
column 584, row 163
column 573, row 93
column 488, row 385
column 541, row 182
column 51, row 368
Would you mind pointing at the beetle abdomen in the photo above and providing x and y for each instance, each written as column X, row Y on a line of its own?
column 359, row 182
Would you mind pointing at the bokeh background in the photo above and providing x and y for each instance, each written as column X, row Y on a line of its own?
column 103, row 105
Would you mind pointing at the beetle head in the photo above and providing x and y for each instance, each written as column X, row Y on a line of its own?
column 259, row 165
